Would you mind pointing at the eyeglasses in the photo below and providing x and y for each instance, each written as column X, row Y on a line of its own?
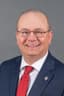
column 37, row 33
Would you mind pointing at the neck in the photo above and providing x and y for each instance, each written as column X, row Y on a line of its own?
column 31, row 59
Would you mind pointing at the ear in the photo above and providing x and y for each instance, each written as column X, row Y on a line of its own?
column 50, row 37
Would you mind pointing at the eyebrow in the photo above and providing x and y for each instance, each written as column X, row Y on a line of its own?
column 36, row 29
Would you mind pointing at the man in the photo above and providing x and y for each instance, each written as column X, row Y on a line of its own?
column 34, row 36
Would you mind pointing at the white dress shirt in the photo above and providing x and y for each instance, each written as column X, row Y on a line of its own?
column 36, row 65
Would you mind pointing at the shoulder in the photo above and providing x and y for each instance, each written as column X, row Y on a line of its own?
column 10, row 63
column 59, row 66
column 58, row 63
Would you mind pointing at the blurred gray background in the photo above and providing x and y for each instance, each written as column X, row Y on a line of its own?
column 9, row 12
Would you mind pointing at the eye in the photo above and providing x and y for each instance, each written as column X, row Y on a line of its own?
column 25, row 32
column 38, row 32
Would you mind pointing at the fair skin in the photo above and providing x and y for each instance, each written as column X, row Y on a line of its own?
column 33, row 47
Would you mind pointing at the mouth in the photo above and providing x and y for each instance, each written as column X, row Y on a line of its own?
column 32, row 45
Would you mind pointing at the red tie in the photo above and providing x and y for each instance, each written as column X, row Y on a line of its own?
column 24, row 82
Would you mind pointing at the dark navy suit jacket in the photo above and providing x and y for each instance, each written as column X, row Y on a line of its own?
column 49, row 82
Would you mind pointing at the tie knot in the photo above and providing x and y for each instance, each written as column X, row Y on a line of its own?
column 28, row 69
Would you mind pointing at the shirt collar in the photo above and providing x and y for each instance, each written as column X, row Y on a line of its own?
column 36, row 65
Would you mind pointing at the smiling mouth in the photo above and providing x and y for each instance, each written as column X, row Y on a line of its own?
column 32, row 45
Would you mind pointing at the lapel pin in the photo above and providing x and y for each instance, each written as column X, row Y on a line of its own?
column 46, row 78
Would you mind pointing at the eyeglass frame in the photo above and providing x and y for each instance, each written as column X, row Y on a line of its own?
column 37, row 33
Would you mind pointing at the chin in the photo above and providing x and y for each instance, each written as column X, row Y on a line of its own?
column 32, row 54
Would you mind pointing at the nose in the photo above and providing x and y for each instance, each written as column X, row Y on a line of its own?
column 32, row 36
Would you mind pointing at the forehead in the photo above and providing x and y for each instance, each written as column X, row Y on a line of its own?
column 33, row 20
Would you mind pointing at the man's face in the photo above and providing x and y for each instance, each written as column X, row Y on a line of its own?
column 33, row 45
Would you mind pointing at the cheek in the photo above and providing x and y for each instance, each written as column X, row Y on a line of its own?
column 45, row 41
column 20, row 41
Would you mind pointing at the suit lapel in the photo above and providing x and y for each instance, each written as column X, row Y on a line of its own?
column 44, row 77
column 14, row 75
